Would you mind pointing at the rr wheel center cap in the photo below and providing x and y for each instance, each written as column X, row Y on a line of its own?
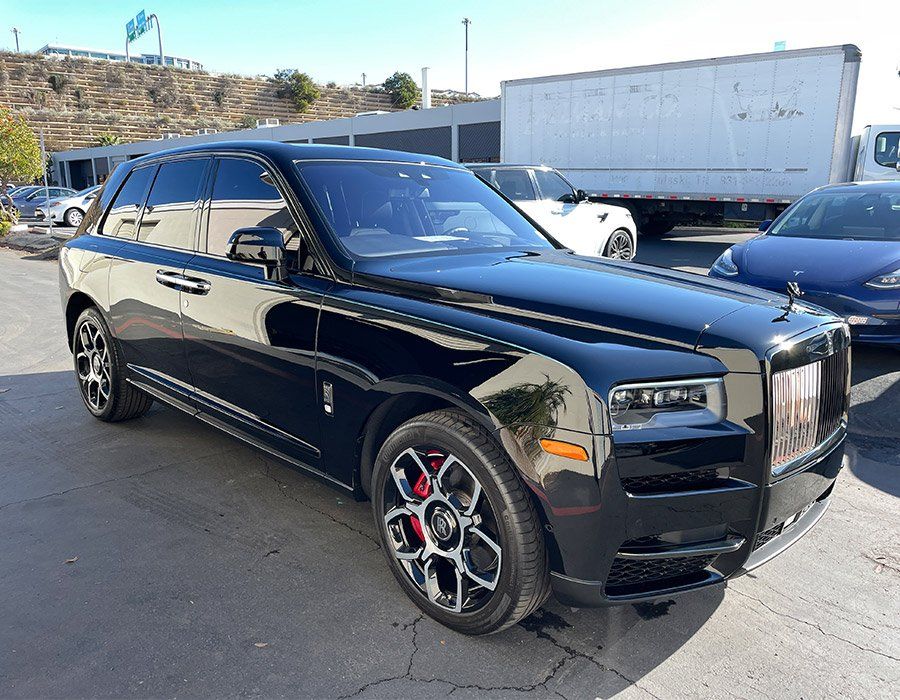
column 95, row 364
column 443, row 526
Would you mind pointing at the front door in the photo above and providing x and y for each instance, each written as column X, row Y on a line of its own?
column 251, row 340
column 145, row 273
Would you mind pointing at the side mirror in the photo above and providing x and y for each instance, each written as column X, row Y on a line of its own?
column 764, row 225
column 92, row 195
column 259, row 245
column 580, row 195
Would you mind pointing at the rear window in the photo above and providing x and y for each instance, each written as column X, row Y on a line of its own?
column 169, row 219
column 121, row 221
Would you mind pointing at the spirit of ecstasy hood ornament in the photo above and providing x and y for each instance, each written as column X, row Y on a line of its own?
column 793, row 292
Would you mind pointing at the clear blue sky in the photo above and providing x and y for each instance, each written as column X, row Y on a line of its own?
column 340, row 39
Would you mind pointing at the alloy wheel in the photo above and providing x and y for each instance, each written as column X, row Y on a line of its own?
column 93, row 365
column 620, row 246
column 442, row 529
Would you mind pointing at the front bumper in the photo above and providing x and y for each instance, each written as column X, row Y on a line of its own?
column 751, row 523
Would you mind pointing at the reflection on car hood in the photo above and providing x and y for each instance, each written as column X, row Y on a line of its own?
column 586, row 299
column 815, row 260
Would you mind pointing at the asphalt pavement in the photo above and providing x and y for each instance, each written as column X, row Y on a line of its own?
column 161, row 558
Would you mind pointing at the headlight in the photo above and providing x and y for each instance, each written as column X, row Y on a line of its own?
column 888, row 281
column 667, row 404
column 724, row 265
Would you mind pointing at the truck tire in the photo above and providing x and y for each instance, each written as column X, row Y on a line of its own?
column 460, row 533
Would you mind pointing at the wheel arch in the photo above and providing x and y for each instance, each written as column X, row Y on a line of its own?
column 405, row 401
column 75, row 306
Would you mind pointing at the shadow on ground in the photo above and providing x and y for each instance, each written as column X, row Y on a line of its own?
column 187, row 549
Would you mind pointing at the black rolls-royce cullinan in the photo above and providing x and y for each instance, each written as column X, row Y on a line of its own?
column 523, row 420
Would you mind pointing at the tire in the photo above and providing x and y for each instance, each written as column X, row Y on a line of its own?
column 620, row 245
column 502, row 573
column 98, row 372
column 73, row 217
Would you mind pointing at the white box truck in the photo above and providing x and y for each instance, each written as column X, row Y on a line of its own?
column 735, row 138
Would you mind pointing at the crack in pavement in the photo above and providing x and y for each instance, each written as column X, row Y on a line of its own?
column 95, row 484
column 814, row 625
column 283, row 491
column 569, row 654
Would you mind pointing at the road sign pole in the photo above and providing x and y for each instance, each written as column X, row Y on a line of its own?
column 162, row 58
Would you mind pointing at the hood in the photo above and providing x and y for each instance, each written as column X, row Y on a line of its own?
column 814, row 260
column 586, row 299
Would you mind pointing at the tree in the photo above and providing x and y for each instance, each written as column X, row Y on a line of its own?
column 20, row 158
column 402, row 89
column 298, row 87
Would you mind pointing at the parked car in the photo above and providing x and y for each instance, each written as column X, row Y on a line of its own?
column 523, row 418
column 547, row 197
column 841, row 245
column 69, row 210
column 28, row 201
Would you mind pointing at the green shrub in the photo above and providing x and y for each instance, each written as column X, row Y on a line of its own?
column 298, row 87
column 107, row 139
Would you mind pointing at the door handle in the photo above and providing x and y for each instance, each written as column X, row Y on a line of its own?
column 168, row 279
column 176, row 280
column 194, row 285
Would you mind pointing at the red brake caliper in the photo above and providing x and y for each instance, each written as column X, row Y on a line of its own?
column 422, row 488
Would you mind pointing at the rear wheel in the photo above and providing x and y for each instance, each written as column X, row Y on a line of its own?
column 460, row 533
column 620, row 246
column 98, row 370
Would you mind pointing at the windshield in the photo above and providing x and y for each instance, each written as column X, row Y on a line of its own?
column 843, row 215
column 87, row 191
column 379, row 209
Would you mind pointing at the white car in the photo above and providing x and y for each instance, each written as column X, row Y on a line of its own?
column 588, row 228
column 69, row 210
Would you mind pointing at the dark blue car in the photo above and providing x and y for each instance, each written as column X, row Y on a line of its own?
column 841, row 245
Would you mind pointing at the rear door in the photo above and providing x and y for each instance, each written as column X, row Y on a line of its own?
column 582, row 226
column 146, row 278
column 250, row 339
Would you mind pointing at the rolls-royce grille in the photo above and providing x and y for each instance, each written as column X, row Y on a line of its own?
column 808, row 406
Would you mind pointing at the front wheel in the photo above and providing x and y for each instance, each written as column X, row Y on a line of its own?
column 620, row 245
column 460, row 533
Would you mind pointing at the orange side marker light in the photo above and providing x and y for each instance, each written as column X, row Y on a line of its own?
column 564, row 449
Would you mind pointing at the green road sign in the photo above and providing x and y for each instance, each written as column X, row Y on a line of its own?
column 137, row 26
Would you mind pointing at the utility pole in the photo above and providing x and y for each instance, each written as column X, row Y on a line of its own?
column 364, row 79
column 17, row 31
column 466, row 21
column 162, row 59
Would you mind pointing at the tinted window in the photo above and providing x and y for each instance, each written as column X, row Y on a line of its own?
column 244, row 195
column 857, row 215
column 551, row 185
column 886, row 147
column 515, row 184
column 122, row 217
column 378, row 209
column 169, row 216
